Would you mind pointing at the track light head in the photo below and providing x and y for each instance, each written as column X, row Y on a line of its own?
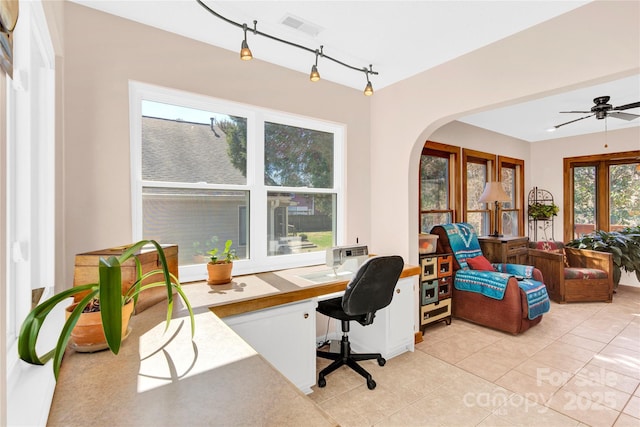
column 245, row 52
column 368, row 90
column 315, row 75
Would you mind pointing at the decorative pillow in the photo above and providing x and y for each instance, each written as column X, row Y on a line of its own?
column 550, row 246
column 584, row 273
column 547, row 245
column 480, row 263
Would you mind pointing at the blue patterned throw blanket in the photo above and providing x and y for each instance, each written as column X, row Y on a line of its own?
column 464, row 244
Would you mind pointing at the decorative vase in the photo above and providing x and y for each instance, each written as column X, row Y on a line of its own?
column 88, row 336
column 219, row 273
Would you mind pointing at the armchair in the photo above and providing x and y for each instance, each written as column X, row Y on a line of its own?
column 573, row 275
column 516, row 307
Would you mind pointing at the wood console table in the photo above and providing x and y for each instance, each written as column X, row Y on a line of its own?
column 505, row 249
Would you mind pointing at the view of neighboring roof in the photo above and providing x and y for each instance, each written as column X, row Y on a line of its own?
column 180, row 151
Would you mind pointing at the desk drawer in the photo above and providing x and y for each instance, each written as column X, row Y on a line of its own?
column 517, row 248
column 445, row 265
column 429, row 268
column 428, row 292
column 444, row 287
column 436, row 311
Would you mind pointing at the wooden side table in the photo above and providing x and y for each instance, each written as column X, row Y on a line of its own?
column 506, row 249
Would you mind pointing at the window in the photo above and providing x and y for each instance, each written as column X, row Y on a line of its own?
column 444, row 189
column 438, row 185
column 205, row 171
column 512, row 177
column 478, row 167
column 602, row 192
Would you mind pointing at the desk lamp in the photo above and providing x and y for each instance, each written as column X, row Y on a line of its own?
column 493, row 192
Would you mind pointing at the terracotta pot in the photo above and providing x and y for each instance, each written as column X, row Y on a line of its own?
column 88, row 334
column 219, row 273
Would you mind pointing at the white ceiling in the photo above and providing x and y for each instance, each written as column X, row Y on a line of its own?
column 531, row 120
column 400, row 39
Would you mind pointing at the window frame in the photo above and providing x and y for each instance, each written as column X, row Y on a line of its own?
column 30, row 212
column 452, row 153
column 601, row 162
column 257, row 259
column 518, row 166
column 489, row 161
column 458, row 158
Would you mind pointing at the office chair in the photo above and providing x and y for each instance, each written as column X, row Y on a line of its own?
column 370, row 290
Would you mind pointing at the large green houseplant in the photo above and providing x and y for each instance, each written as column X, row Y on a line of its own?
column 108, row 290
column 623, row 245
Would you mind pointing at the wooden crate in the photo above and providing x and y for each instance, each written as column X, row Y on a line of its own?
column 86, row 271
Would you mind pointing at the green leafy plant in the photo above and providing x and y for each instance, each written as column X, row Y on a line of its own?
column 543, row 211
column 109, row 291
column 228, row 254
column 623, row 245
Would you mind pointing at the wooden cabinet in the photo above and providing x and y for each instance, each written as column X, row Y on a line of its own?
column 506, row 249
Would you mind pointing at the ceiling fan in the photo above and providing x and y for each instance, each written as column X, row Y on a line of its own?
column 602, row 109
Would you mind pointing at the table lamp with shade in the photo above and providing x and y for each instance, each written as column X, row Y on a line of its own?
column 493, row 192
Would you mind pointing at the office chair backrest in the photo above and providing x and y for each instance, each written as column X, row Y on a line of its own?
column 372, row 287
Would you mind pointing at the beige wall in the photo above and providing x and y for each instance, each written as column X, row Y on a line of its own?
column 102, row 53
column 565, row 52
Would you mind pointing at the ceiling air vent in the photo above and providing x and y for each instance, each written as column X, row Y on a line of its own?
column 301, row 25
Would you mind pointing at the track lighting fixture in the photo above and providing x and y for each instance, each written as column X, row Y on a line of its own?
column 245, row 52
column 315, row 75
column 368, row 90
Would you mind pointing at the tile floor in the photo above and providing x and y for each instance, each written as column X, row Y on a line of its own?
column 580, row 366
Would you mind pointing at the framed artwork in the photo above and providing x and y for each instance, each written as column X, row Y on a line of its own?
column 8, row 19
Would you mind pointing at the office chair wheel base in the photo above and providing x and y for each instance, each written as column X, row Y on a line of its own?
column 322, row 382
column 371, row 384
column 381, row 361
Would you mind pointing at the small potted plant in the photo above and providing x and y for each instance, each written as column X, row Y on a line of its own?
column 219, row 268
column 542, row 211
column 115, row 307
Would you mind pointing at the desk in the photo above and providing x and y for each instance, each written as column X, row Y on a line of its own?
column 275, row 313
column 165, row 378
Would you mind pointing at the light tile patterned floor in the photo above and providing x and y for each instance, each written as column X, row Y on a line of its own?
column 579, row 366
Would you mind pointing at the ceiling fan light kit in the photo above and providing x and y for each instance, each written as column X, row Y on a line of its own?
column 601, row 110
column 314, row 76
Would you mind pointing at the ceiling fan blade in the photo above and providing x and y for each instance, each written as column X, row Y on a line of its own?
column 576, row 112
column 573, row 121
column 623, row 116
column 627, row 106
